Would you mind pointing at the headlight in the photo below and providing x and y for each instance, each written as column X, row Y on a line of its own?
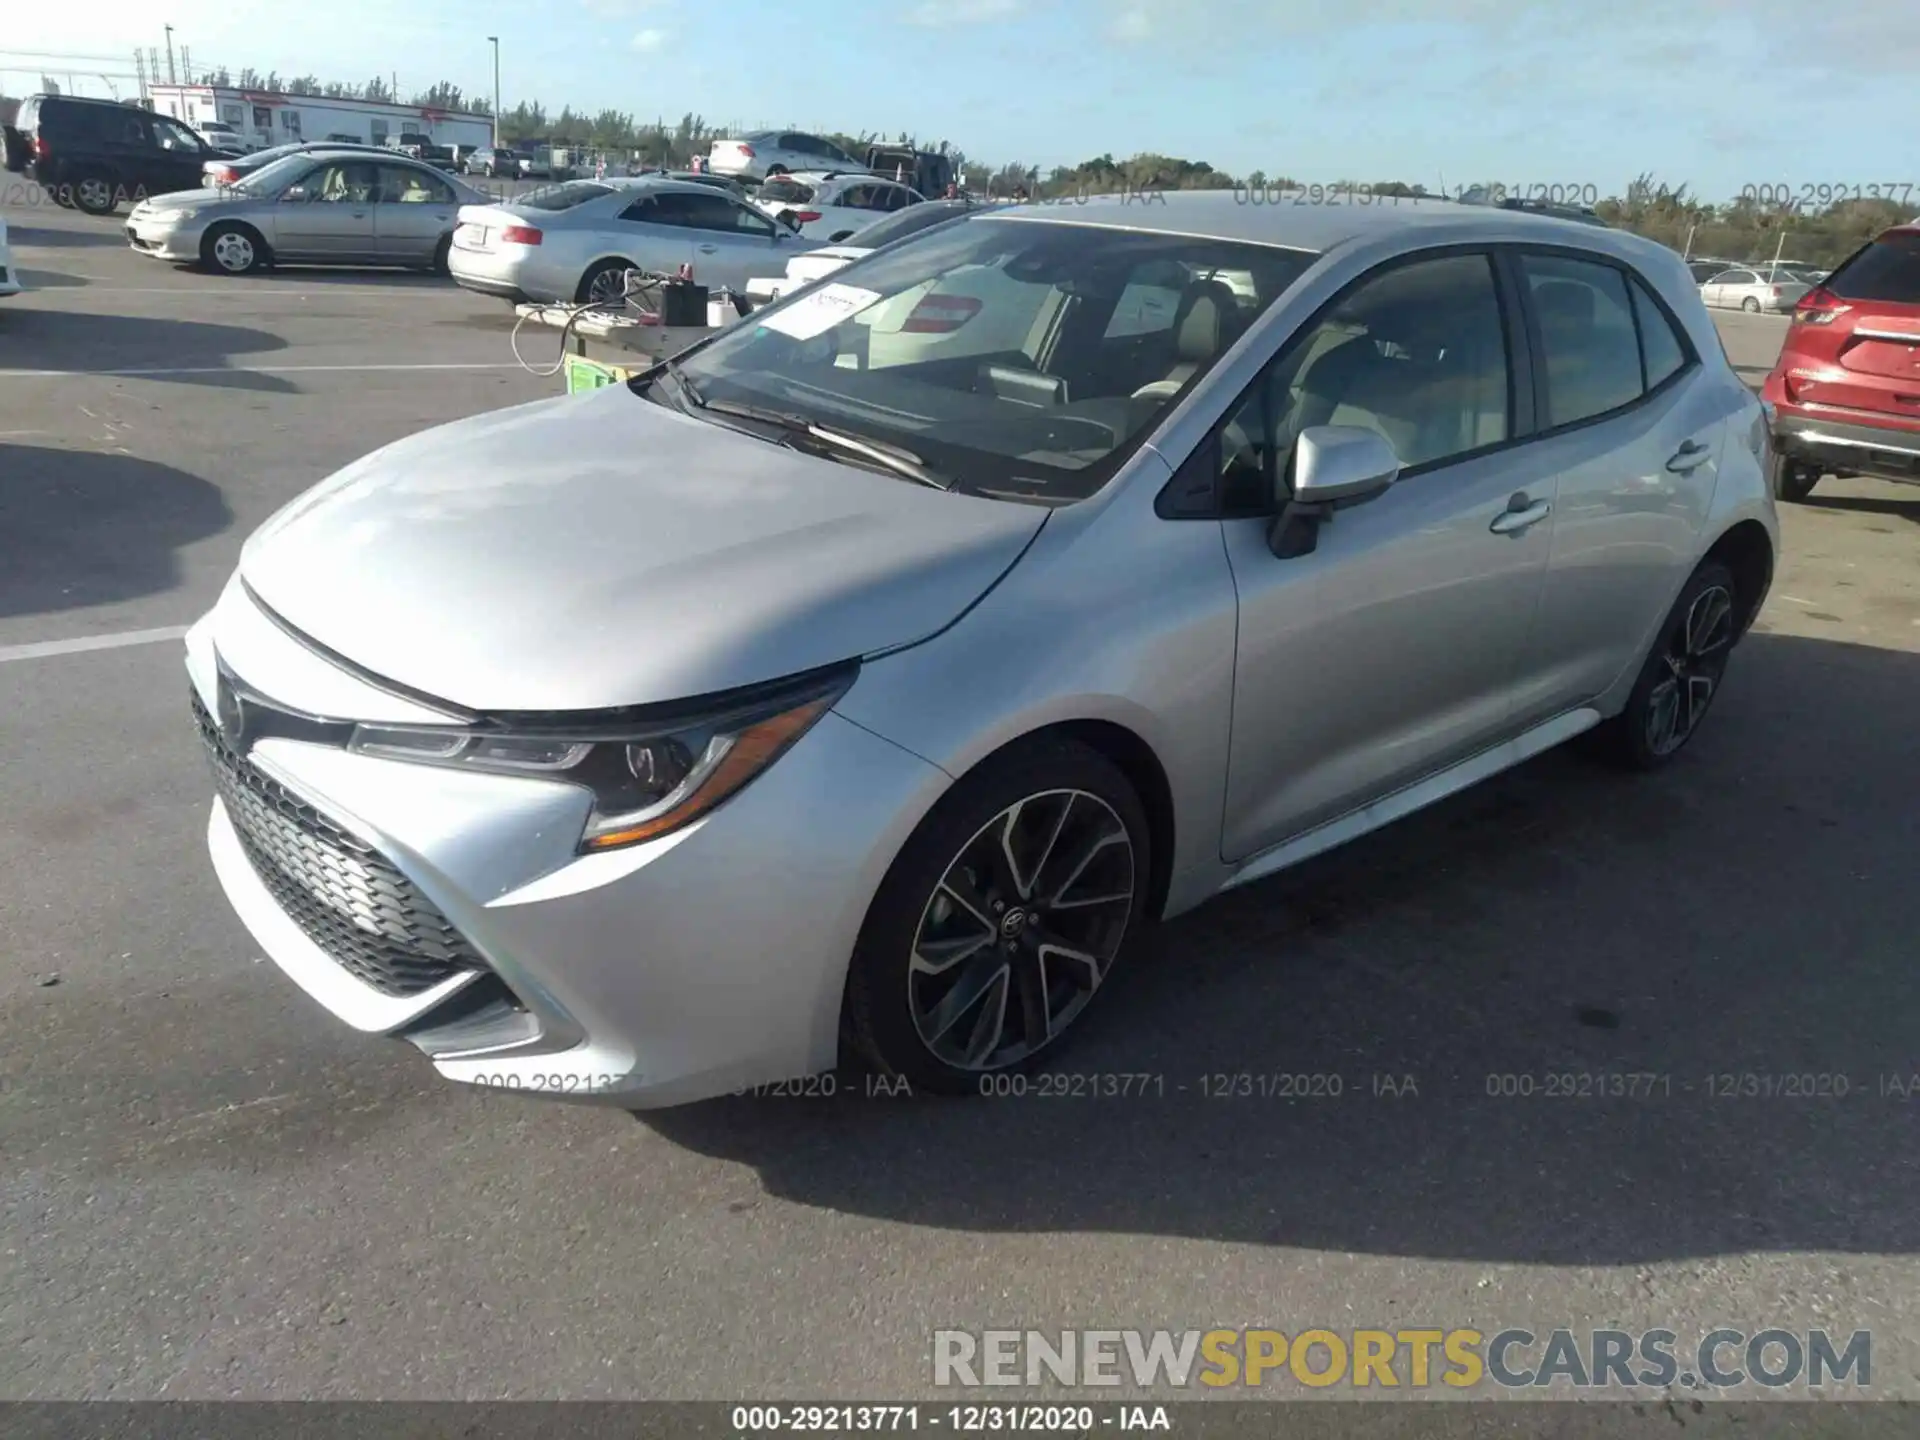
column 647, row 779
column 172, row 217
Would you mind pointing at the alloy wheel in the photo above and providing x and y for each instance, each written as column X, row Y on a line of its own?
column 1021, row 930
column 1695, row 658
column 233, row 252
column 94, row 193
column 606, row 287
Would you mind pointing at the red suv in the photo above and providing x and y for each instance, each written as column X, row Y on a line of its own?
column 1846, row 389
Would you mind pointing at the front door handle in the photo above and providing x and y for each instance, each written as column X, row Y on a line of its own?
column 708, row 249
column 1690, row 456
column 1520, row 515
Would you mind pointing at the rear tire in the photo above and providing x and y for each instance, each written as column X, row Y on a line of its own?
column 94, row 193
column 1682, row 674
column 1793, row 480
column 962, row 973
column 773, row 170
column 1750, row 305
column 606, row 273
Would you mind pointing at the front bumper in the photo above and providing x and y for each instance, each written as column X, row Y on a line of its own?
column 709, row 960
column 179, row 242
column 1846, row 446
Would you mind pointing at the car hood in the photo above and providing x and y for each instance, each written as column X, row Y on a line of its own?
column 594, row 552
column 182, row 199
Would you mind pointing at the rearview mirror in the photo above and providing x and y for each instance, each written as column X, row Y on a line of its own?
column 1333, row 467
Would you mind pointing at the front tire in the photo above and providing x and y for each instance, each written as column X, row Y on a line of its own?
column 1001, row 920
column 1682, row 675
column 1793, row 480
column 234, row 249
column 438, row 265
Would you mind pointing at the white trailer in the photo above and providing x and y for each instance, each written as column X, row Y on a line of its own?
column 266, row 118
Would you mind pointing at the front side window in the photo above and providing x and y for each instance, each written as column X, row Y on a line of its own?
column 984, row 349
column 1416, row 352
column 173, row 136
column 343, row 183
column 1587, row 329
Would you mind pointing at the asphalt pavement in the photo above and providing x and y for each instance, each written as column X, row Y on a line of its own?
column 208, row 1188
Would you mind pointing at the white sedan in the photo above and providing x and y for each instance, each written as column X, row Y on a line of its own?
column 9, row 277
column 832, row 206
column 1753, row 290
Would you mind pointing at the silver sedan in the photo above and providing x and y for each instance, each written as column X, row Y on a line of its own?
column 320, row 207
column 575, row 242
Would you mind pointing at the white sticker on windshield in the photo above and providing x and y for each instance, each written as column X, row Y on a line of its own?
column 818, row 312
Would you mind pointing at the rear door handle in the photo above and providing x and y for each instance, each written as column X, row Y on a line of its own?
column 708, row 249
column 1520, row 515
column 1690, row 456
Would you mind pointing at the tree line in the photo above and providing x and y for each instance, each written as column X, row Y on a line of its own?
column 1821, row 228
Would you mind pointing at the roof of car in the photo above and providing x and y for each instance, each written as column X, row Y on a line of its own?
column 1293, row 221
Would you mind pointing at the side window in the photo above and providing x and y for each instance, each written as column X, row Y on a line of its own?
column 379, row 129
column 344, row 184
column 1661, row 352
column 403, row 185
column 263, row 118
column 1416, row 352
column 129, row 130
column 1587, row 328
column 174, row 137
column 748, row 221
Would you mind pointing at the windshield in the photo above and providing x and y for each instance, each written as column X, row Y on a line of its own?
column 903, row 223
column 781, row 188
column 1019, row 358
column 561, row 197
column 1887, row 269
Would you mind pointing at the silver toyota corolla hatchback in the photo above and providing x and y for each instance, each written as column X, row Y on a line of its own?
column 863, row 683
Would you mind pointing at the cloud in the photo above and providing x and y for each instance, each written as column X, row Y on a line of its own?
column 648, row 41
column 1132, row 25
column 939, row 14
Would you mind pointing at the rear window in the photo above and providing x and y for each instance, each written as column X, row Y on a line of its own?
column 564, row 196
column 781, row 188
column 1887, row 269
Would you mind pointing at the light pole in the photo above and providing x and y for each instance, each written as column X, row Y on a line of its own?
column 494, row 40
column 172, row 77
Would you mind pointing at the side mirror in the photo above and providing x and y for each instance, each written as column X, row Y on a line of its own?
column 293, row 192
column 1333, row 467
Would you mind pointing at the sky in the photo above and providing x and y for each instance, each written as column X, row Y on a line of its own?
column 1719, row 94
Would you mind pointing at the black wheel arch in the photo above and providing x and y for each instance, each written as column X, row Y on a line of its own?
column 1746, row 549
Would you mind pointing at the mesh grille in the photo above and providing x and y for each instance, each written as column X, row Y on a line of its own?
column 346, row 896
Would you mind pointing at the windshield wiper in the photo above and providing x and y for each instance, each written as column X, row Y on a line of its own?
column 896, row 458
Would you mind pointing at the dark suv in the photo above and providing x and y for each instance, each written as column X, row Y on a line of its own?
column 99, row 154
column 1846, row 389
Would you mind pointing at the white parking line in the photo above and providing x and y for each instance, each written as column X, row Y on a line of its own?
column 253, row 370
column 45, row 648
